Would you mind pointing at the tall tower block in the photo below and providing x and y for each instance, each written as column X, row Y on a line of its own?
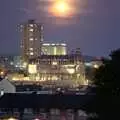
column 31, row 40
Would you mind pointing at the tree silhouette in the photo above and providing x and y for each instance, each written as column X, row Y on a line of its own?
column 107, row 81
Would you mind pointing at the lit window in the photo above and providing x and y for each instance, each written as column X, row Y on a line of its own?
column 41, row 39
column 70, row 71
column 31, row 30
column 31, row 53
column 54, row 63
column 31, row 39
column 21, row 46
column 63, row 44
column 46, row 44
column 1, row 92
column 21, row 26
column 31, row 25
column 53, row 44
column 31, row 49
column 11, row 63
column 41, row 27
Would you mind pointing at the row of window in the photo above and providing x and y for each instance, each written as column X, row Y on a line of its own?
column 31, row 39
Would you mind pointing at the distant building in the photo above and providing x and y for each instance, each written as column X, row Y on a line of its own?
column 54, row 49
column 17, row 61
column 31, row 41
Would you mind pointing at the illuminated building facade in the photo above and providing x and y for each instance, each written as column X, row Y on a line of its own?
column 61, row 70
column 54, row 49
column 47, row 63
column 31, row 41
column 54, row 70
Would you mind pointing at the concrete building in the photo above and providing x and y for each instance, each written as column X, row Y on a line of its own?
column 54, row 49
column 32, row 38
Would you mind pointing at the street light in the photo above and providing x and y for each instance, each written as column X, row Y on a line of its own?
column 36, row 119
column 12, row 118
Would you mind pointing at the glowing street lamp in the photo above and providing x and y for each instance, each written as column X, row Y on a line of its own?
column 36, row 119
column 12, row 119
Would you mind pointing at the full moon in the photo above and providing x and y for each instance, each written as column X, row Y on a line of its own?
column 61, row 8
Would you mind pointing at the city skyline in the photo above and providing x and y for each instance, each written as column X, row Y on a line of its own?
column 95, row 30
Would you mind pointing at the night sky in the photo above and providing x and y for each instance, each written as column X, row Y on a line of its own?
column 95, row 29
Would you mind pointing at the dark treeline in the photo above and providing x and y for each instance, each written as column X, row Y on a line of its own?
column 107, row 80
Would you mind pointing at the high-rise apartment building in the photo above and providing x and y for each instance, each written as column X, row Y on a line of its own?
column 31, row 41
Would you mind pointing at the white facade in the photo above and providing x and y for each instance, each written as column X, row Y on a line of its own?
column 54, row 49
column 6, row 87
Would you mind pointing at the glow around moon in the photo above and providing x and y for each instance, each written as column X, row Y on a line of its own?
column 61, row 11
column 61, row 8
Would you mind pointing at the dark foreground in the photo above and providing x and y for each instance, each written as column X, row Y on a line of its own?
column 50, row 107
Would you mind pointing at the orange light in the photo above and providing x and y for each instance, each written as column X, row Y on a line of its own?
column 60, row 8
